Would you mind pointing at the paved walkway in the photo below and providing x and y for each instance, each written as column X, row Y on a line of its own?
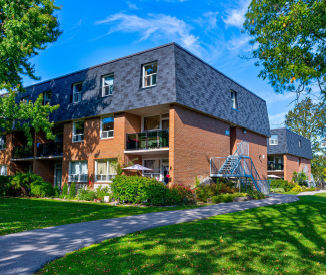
column 26, row 252
column 311, row 193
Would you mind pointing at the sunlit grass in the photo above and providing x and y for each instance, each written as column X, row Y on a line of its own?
column 281, row 239
column 19, row 214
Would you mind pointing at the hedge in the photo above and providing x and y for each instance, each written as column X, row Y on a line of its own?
column 149, row 191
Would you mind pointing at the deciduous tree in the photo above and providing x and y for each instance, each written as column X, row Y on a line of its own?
column 289, row 41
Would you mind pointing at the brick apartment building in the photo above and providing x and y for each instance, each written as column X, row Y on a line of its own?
column 288, row 152
column 163, row 106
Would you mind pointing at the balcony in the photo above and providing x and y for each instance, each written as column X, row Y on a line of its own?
column 23, row 152
column 54, row 149
column 78, row 178
column 271, row 166
column 148, row 140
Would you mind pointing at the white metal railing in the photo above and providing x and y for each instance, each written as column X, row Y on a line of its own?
column 78, row 178
column 104, row 178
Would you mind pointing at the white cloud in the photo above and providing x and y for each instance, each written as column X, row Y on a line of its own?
column 132, row 6
column 211, row 19
column 238, row 42
column 155, row 26
column 236, row 17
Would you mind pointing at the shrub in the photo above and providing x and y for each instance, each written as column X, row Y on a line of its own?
column 5, row 185
column 20, row 184
column 256, row 195
column 277, row 190
column 101, row 192
column 148, row 191
column 64, row 192
column 72, row 190
column 56, row 191
column 42, row 189
column 227, row 197
column 296, row 189
column 310, row 189
column 287, row 186
column 203, row 192
column 86, row 194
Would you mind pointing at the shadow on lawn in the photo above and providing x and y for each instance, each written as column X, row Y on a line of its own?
column 286, row 238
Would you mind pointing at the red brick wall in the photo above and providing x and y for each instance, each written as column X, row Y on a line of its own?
column 257, row 148
column 291, row 164
column 194, row 139
column 93, row 147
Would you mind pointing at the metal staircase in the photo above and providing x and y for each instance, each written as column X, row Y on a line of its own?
column 239, row 165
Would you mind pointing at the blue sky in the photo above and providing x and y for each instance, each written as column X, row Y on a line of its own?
column 98, row 31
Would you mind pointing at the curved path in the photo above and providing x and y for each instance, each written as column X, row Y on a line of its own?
column 26, row 252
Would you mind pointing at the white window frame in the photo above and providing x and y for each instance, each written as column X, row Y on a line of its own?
column 161, row 118
column 78, row 177
column 45, row 97
column 104, row 86
column 5, row 170
column 151, row 75
column 79, row 135
column 273, row 141
column 104, row 177
column 78, row 94
column 25, row 99
column 3, row 146
column 111, row 131
column 234, row 100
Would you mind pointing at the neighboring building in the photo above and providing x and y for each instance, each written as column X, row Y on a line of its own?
column 164, row 106
column 288, row 152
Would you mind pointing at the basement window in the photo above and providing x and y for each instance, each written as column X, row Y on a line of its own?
column 3, row 170
column 78, row 171
column 105, row 170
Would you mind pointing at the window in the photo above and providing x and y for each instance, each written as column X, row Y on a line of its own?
column 47, row 97
column 234, row 100
column 107, row 85
column 149, row 74
column 25, row 99
column 153, row 164
column 107, row 127
column 78, row 131
column 273, row 140
column 299, row 143
column 105, row 170
column 3, row 142
column 77, row 89
column 3, row 170
column 157, row 122
column 78, row 171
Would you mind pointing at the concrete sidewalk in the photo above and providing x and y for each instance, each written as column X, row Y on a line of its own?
column 310, row 193
column 26, row 252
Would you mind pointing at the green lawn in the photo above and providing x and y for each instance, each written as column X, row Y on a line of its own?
column 19, row 214
column 280, row 239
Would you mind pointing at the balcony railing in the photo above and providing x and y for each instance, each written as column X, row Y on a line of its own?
column 23, row 152
column 78, row 178
column 148, row 140
column 271, row 166
column 54, row 149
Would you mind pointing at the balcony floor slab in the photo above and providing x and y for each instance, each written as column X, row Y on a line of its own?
column 147, row 152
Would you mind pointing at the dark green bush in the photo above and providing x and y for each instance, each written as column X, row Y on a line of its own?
column 148, row 191
column 256, row 195
column 203, row 192
column 72, row 190
column 227, row 197
column 20, row 184
column 5, row 185
column 287, row 186
column 42, row 189
column 86, row 194
column 56, row 192
column 64, row 192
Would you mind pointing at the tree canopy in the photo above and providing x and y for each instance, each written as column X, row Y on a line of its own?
column 308, row 119
column 289, row 41
column 26, row 27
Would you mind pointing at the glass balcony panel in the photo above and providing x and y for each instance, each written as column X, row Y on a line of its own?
column 148, row 140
